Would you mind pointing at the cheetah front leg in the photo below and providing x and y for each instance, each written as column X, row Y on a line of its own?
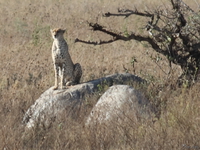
column 56, row 69
column 62, row 75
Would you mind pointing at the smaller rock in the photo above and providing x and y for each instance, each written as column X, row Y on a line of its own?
column 118, row 103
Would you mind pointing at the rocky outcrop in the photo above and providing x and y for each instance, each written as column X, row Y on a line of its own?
column 118, row 103
column 54, row 102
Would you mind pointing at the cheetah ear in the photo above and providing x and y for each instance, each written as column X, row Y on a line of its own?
column 63, row 30
column 51, row 30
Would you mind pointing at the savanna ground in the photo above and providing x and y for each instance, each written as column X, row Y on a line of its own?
column 27, row 71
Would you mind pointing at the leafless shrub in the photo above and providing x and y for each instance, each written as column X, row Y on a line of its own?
column 173, row 31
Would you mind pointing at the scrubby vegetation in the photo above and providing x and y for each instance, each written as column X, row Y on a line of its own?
column 173, row 32
column 27, row 71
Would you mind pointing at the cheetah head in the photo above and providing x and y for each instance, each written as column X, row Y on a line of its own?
column 57, row 33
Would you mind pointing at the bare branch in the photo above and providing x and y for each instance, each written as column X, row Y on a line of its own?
column 127, row 12
column 132, row 36
column 94, row 43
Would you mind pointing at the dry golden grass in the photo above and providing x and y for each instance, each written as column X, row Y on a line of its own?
column 27, row 71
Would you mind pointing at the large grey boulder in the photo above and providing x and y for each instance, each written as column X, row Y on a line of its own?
column 54, row 102
column 119, row 103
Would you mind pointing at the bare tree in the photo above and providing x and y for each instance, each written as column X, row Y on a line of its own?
column 174, row 32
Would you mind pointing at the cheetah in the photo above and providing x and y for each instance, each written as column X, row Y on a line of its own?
column 69, row 72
